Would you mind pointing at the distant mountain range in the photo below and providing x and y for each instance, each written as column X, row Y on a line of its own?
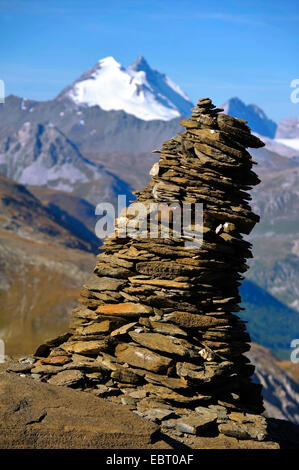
column 41, row 154
column 282, row 138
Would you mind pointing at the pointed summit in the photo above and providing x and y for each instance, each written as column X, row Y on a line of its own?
column 139, row 64
column 109, row 62
column 138, row 90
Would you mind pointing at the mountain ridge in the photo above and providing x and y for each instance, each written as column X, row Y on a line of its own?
column 257, row 119
column 137, row 89
column 42, row 154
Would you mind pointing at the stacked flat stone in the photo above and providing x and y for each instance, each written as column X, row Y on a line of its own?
column 157, row 326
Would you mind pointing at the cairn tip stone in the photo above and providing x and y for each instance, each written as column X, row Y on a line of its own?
column 157, row 320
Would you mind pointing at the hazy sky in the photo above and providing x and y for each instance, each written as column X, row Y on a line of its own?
column 219, row 49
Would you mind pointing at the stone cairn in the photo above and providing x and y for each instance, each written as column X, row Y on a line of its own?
column 157, row 327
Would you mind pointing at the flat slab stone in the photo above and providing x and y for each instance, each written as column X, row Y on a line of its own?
column 163, row 343
column 141, row 357
column 102, row 327
column 123, row 329
column 191, row 320
column 168, row 284
column 125, row 309
column 158, row 414
column 43, row 416
column 99, row 284
column 165, row 393
column 20, row 368
column 56, row 360
column 200, row 424
column 67, row 378
column 84, row 347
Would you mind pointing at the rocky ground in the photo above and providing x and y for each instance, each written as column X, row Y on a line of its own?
column 280, row 391
column 46, row 416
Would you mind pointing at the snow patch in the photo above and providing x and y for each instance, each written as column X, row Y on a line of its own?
column 293, row 143
column 38, row 174
column 23, row 104
column 113, row 87
column 176, row 88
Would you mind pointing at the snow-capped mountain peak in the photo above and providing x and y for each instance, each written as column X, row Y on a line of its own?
column 136, row 89
column 139, row 64
column 109, row 61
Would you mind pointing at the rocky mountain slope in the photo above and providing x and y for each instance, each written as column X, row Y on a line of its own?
column 90, row 128
column 270, row 322
column 276, row 250
column 40, row 154
column 65, row 205
column 23, row 214
column 288, row 129
column 280, row 392
column 43, row 260
column 291, row 368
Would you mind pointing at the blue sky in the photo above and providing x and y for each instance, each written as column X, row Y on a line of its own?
column 219, row 49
